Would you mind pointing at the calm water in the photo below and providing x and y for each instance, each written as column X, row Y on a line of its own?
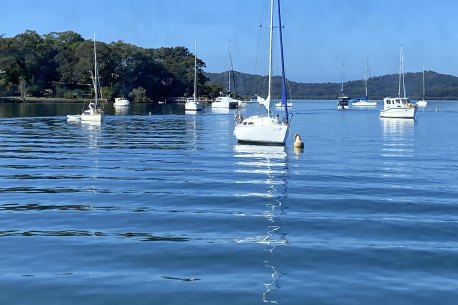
column 167, row 209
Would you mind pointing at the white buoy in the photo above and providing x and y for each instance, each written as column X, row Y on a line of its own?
column 298, row 141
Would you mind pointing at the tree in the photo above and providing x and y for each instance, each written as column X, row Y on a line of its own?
column 139, row 95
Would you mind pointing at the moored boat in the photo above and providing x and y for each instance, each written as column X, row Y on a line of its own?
column 422, row 102
column 225, row 101
column 363, row 102
column 121, row 101
column 94, row 113
column 267, row 129
column 193, row 103
column 342, row 102
column 399, row 107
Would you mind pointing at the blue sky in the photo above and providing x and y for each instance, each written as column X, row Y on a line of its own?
column 319, row 35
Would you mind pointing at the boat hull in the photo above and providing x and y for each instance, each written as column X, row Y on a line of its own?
column 73, row 117
column 193, row 106
column 399, row 113
column 121, row 102
column 93, row 117
column 226, row 102
column 261, row 130
column 422, row 103
column 364, row 104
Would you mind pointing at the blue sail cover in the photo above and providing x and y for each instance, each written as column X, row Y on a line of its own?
column 284, row 97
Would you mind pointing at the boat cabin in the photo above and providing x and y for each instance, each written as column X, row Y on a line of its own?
column 397, row 102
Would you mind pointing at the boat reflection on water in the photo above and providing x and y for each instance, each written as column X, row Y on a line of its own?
column 269, row 166
column 397, row 127
column 221, row 110
column 121, row 110
column 397, row 147
column 92, row 130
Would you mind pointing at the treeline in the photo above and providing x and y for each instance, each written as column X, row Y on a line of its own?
column 59, row 65
column 438, row 86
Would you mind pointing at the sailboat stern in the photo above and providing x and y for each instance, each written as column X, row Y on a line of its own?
column 261, row 130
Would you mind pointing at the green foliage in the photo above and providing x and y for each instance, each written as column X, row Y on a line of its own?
column 107, row 93
column 138, row 95
column 61, row 62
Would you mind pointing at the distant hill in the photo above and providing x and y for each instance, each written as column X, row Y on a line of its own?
column 438, row 86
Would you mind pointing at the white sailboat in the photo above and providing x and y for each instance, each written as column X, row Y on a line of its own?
column 267, row 129
column 225, row 100
column 363, row 101
column 399, row 107
column 422, row 102
column 94, row 113
column 193, row 103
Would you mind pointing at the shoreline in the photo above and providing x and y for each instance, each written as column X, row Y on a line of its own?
column 31, row 99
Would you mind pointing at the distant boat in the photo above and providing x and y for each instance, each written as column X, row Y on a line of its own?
column 193, row 103
column 94, row 113
column 225, row 100
column 342, row 101
column 121, row 102
column 267, row 129
column 280, row 104
column 422, row 102
column 364, row 101
column 399, row 107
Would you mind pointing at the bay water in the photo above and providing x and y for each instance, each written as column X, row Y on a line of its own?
column 158, row 206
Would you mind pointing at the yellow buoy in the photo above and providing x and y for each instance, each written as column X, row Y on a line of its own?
column 298, row 141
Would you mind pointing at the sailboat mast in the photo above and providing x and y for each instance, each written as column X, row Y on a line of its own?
column 342, row 77
column 195, row 70
column 402, row 68
column 96, row 75
column 365, row 75
column 270, row 54
column 284, row 97
column 423, row 82
column 230, row 70
column 400, row 72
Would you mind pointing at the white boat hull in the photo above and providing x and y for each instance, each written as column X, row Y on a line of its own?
column 261, row 130
column 74, row 117
column 97, row 117
column 399, row 113
column 422, row 103
column 193, row 106
column 364, row 104
column 225, row 102
column 280, row 105
column 121, row 102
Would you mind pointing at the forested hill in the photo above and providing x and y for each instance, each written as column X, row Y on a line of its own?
column 438, row 86
column 58, row 65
